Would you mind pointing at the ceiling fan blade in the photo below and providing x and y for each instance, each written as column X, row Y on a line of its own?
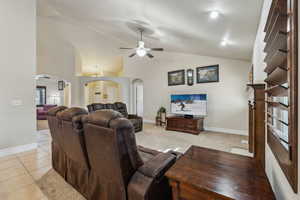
column 156, row 49
column 132, row 55
column 126, row 48
column 150, row 55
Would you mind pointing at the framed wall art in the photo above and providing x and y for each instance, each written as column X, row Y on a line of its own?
column 176, row 77
column 208, row 74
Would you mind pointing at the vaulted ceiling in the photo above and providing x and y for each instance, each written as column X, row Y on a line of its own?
column 177, row 25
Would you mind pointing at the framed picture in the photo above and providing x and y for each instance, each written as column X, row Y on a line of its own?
column 208, row 74
column 176, row 77
column 61, row 85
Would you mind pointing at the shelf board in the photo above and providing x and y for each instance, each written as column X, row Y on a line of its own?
column 276, row 133
column 278, row 105
column 279, row 42
column 276, row 59
column 276, row 118
column 280, row 24
column 277, row 90
column 277, row 77
column 276, row 6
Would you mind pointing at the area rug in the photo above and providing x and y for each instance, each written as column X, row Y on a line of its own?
column 54, row 187
column 42, row 125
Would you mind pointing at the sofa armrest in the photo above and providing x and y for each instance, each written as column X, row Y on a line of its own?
column 158, row 165
column 149, row 182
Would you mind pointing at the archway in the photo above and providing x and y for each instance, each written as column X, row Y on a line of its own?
column 122, row 81
column 102, row 91
column 138, row 97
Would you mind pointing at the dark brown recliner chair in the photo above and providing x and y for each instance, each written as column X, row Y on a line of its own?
column 77, row 166
column 119, row 171
column 59, row 158
column 121, row 108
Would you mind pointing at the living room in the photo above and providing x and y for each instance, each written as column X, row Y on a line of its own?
column 178, row 88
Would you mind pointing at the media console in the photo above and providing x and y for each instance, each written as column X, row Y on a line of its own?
column 187, row 125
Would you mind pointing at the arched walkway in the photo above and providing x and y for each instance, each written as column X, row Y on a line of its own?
column 138, row 97
column 122, row 81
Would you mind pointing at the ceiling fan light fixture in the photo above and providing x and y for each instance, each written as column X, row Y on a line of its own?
column 214, row 14
column 224, row 43
column 141, row 52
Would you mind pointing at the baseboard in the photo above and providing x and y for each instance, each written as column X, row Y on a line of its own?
column 17, row 149
column 215, row 129
column 149, row 121
column 226, row 130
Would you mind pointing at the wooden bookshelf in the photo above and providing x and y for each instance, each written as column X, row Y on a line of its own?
column 279, row 42
column 277, row 90
column 277, row 77
column 276, row 118
column 276, row 58
column 279, row 25
column 277, row 105
column 282, row 68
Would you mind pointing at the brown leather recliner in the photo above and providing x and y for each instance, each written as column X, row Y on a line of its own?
column 59, row 158
column 121, row 108
column 118, row 166
column 77, row 165
column 100, row 159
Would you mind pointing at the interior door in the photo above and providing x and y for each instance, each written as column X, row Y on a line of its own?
column 139, row 100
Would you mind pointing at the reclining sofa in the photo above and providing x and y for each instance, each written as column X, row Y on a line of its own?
column 121, row 108
column 97, row 154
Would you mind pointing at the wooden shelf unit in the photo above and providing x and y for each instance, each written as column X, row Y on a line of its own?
column 282, row 68
column 279, row 42
column 277, row 77
column 278, row 105
column 276, row 118
column 279, row 25
column 277, row 90
column 277, row 19
column 277, row 58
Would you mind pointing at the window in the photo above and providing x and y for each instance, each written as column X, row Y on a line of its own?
column 40, row 97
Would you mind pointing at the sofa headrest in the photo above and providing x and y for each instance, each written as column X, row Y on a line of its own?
column 121, row 123
column 55, row 110
column 98, row 106
column 70, row 113
column 102, row 117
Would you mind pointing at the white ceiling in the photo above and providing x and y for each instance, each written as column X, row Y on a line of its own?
column 176, row 25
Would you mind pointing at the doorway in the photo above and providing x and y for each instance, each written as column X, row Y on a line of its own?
column 138, row 97
column 50, row 92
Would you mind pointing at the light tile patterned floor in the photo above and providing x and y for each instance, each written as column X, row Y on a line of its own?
column 19, row 173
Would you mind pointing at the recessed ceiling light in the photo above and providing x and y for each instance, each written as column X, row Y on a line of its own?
column 223, row 43
column 214, row 14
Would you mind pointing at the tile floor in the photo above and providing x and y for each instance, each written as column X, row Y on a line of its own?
column 19, row 173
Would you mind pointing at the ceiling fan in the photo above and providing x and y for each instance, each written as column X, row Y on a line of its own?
column 141, row 50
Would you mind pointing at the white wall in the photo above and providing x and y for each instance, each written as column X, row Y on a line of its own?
column 227, row 99
column 281, row 187
column 17, row 69
column 57, row 58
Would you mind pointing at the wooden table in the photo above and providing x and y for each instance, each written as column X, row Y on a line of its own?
column 205, row 174
column 187, row 125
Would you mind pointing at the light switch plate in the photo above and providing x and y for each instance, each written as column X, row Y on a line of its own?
column 16, row 102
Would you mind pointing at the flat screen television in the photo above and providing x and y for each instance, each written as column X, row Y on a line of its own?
column 189, row 104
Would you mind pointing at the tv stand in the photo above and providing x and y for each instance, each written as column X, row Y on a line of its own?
column 187, row 125
column 188, row 116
